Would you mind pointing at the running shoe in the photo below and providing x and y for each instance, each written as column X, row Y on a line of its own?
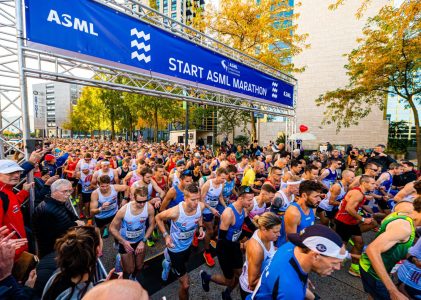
column 166, row 267
column 105, row 234
column 354, row 270
column 213, row 244
column 150, row 243
column 209, row 259
column 205, row 280
column 195, row 242
column 155, row 234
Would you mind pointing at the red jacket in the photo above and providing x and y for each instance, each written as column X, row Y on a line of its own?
column 13, row 218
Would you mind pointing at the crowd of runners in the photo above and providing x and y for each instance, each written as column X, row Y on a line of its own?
column 271, row 217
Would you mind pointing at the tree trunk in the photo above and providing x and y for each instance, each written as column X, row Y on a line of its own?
column 417, row 130
column 112, row 117
column 253, row 127
column 155, row 119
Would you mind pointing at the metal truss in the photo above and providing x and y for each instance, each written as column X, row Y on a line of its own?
column 10, row 85
column 66, row 69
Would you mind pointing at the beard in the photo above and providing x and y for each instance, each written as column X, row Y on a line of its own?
column 311, row 205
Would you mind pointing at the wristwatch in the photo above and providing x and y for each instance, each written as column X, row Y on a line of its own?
column 144, row 239
column 164, row 235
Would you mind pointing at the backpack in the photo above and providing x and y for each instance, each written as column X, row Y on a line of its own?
column 4, row 201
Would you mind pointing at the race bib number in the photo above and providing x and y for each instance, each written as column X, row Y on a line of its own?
column 236, row 236
column 133, row 234
column 186, row 235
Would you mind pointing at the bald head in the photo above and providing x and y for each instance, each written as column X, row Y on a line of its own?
column 117, row 289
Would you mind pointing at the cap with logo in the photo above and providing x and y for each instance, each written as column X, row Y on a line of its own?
column 320, row 239
column 49, row 157
column 8, row 166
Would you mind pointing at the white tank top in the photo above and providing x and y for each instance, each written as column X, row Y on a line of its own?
column 256, row 210
column 111, row 209
column 182, row 230
column 175, row 180
column 133, row 226
column 324, row 204
column 212, row 196
column 286, row 202
column 267, row 256
column 85, row 181
column 133, row 165
column 284, row 184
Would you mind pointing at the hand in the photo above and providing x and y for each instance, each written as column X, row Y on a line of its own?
column 3, row 231
column 201, row 234
column 28, row 186
column 51, row 180
column 36, row 156
column 368, row 221
column 140, row 248
column 215, row 212
column 168, row 242
column 396, row 295
column 120, row 274
column 80, row 223
column 7, row 253
column 128, row 247
column 31, row 279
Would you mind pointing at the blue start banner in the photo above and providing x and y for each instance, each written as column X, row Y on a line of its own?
column 99, row 33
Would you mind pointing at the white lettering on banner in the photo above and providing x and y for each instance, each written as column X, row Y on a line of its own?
column 185, row 68
column 218, row 78
column 249, row 87
column 77, row 23
column 286, row 94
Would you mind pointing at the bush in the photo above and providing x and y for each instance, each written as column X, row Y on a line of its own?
column 281, row 139
column 397, row 145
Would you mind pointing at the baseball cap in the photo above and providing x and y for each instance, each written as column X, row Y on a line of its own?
column 49, row 157
column 8, row 166
column 320, row 239
column 245, row 190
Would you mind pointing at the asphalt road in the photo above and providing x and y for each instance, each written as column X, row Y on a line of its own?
column 340, row 285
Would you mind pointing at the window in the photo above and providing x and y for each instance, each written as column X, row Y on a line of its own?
column 174, row 15
column 49, row 86
column 173, row 7
column 181, row 139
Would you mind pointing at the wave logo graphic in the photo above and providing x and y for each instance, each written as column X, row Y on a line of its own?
column 274, row 90
column 230, row 67
column 141, row 45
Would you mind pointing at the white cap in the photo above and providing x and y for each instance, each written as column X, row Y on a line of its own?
column 8, row 166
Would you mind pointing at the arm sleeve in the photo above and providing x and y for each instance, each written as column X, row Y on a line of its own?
column 62, row 159
column 27, row 167
column 22, row 196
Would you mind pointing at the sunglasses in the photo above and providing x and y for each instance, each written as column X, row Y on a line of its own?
column 187, row 172
column 141, row 202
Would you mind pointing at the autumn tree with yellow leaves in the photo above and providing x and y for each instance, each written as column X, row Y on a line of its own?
column 387, row 61
column 262, row 29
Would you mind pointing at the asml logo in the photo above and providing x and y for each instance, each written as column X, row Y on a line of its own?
column 66, row 20
column 230, row 67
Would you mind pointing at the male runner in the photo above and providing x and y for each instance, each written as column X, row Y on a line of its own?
column 129, row 228
column 146, row 181
column 105, row 170
column 211, row 196
column 311, row 172
column 174, row 177
column 229, row 188
column 85, row 177
column 175, row 194
column 300, row 215
column 228, row 248
column 328, row 207
column 274, row 178
column 330, row 174
column 104, row 202
column 185, row 218
column 350, row 224
column 395, row 237
column 295, row 171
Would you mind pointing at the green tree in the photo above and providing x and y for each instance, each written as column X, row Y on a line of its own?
column 387, row 61
column 229, row 119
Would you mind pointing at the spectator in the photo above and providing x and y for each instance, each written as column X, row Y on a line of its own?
column 380, row 157
column 9, row 287
column 77, row 253
column 10, row 212
column 54, row 164
column 54, row 216
column 407, row 176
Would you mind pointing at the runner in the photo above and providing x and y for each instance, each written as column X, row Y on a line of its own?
column 311, row 172
column 146, row 181
column 328, row 208
column 211, row 196
column 330, row 174
column 317, row 249
column 176, row 194
column 295, row 171
column 300, row 214
column 85, row 178
column 228, row 192
column 395, row 237
column 228, row 246
column 129, row 228
column 259, row 251
column 409, row 192
column 185, row 218
column 105, row 170
column 274, row 178
column 350, row 224
column 174, row 178
column 104, row 205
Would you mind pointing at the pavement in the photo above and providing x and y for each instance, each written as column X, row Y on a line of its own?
column 340, row 285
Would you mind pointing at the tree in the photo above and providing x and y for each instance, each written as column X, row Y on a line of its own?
column 387, row 61
column 229, row 119
column 396, row 129
column 89, row 113
column 262, row 29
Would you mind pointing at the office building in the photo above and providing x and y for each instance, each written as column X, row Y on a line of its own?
column 53, row 102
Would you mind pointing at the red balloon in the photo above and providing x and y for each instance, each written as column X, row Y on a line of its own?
column 303, row 128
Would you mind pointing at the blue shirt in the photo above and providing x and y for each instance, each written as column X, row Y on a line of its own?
column 283, row 278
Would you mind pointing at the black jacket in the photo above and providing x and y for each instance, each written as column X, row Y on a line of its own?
column 51, row 220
